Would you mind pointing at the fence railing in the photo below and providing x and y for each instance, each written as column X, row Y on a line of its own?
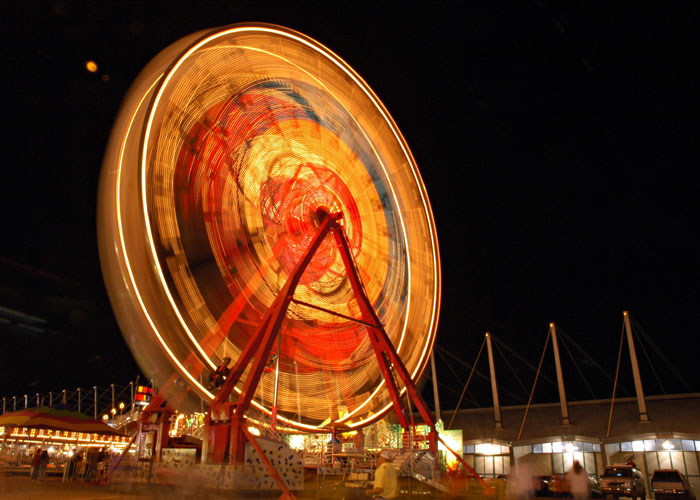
column 97, row 401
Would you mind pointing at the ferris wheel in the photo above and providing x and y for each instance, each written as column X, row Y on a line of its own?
column 255, row 186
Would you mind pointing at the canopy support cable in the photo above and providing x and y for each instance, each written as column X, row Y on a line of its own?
column 449, row 426
column 661, row 355
column 617, row 374
column 539, row 368
column 515, row 374
column 578, row 368
column 456, row 376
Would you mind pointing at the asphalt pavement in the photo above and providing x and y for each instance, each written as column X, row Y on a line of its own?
column 15, row 484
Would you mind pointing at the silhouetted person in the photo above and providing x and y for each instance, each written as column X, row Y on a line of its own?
column 73, row 466
column 519, row 484
column 579, row 483
column 43, row 463
column 217, row 377
column 35, row 464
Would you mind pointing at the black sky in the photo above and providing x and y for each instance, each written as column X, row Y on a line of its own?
column 558, row 142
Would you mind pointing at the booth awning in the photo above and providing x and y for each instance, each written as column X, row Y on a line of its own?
column 51, row 418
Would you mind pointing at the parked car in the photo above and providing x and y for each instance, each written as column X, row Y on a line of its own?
column 670, row 484
column 540, row 485
column 550, row 485
column 622, row 480
column 596, row 492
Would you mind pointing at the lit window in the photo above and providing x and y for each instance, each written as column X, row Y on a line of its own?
column 675, row 444
column 488, row 449
column 688, row 445
column 557, row 447
column 536, row 448
column 546, row 447
column 649, row 445
column 637, row 445
column 626, row 446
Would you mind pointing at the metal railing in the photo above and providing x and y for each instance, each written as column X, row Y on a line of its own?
column 111, row 401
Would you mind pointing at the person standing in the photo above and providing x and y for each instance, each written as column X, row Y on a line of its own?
column 519, row 485
column 100, row 466
column 91, row 459
column 43, row 463
column 35, row 464
column 386, row 484
column 71, row 467
column 579, row 483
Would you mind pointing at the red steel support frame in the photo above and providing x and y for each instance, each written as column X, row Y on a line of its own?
column 226, row 420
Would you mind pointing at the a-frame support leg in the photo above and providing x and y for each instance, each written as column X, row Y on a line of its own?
column 231, row 415
column 388, row 358
column 226, row 420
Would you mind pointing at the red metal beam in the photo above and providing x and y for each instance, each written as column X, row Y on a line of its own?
column 232, row 430
column 257, row 350
column 385, row 351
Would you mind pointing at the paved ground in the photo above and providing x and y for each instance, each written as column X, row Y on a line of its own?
column 16, row 485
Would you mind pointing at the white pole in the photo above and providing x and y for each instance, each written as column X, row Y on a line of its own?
column 494, row 385
column 277, row 381
column 296, row 376
column 560, row 378
column 643, row 417
column 438, row 417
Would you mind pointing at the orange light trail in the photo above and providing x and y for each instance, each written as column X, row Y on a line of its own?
column 224, row 157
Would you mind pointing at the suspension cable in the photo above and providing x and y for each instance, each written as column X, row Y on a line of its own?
column 651, row 365
column 527, row 408
column 515, row 374
column 661, row 355
column 578, row 368
column 528, row 364
column 617, row 373
column 456, row 376
column 588, row 357
column 454, row 413
column 488, row 379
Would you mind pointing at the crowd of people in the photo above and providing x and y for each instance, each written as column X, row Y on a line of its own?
column 39, row 463
column 84, row 465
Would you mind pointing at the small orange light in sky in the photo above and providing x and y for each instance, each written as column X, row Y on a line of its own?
column 91, row 66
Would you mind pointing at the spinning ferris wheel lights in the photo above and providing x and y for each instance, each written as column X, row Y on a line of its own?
column 227, row 146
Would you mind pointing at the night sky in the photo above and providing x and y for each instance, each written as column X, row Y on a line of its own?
column 558, row 142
